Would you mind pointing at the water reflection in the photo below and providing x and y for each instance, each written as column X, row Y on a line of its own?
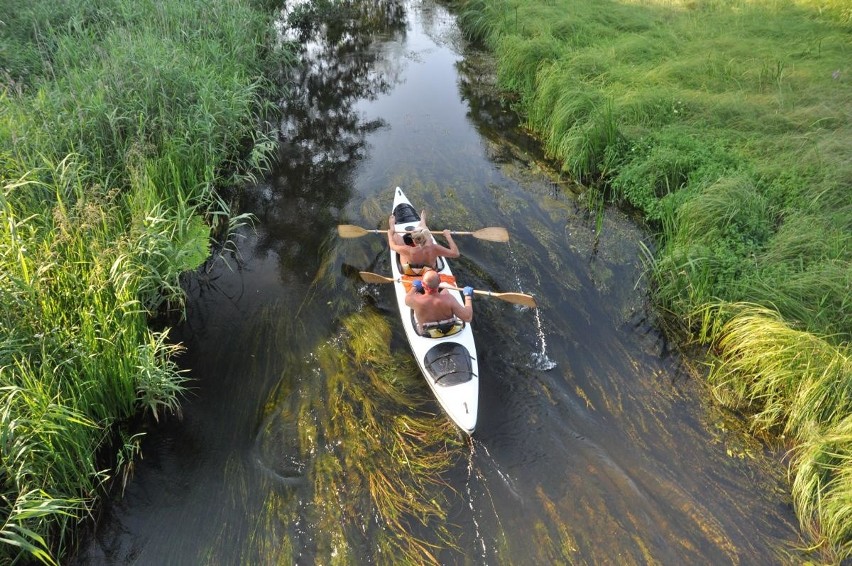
column 321, row 131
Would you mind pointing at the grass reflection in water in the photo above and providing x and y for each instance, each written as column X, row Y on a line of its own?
column 373, row 454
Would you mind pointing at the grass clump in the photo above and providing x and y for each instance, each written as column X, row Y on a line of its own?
column 727, row 125
column 122, row 126
column 77, row 355
column 792, row 383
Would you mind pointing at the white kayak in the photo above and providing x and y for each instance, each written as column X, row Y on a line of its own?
column 449, row 362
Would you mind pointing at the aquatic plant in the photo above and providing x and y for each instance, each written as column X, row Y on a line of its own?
column 374, row 452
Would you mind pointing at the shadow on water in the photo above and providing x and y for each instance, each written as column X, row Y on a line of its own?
column 310, row 437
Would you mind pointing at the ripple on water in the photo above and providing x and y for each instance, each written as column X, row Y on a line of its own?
column 541, row 362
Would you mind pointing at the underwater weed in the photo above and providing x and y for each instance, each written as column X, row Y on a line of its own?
column 373, row 443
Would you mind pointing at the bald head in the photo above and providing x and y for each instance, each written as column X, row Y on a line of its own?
column 431, row 279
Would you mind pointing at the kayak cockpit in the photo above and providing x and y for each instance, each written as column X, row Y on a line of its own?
column 448, row 363
column 416, row 270
column 404, row 213
column 438, row 329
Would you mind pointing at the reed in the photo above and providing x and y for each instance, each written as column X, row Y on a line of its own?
column 140, row 87
column 482, row 19
column 815, row 297
column 792, row 383
column 121, row 126
column 78, row 358
column 789, row 380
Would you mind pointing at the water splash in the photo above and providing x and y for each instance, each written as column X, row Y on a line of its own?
column 538, row 360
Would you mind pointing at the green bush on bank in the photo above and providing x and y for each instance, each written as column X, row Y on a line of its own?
column 120, row 124
column 727, row 125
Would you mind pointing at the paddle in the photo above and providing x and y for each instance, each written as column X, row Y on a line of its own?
column 492, row 233
column 516, row 298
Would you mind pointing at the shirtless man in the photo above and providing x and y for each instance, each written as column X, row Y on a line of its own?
column 435, row 305
column 424, row 252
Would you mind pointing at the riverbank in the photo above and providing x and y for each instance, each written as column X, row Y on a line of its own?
column 728, row 128
column 123, row 129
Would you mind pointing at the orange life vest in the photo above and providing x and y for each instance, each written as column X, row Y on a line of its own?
column 408, row 279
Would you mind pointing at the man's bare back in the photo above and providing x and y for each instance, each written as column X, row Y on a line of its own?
column 434, row 305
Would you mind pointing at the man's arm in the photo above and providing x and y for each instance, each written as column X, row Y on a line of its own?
column 465, row 312
column 409, row 299
column 398, row 248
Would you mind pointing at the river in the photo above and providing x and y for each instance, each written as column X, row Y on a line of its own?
column 308, row 435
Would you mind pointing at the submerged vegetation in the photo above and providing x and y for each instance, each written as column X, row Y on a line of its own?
column 372, row 453
column 391, row 459
column 727, row 124
column 122, row 125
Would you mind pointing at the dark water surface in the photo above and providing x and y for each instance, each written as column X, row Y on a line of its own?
column 593, row 445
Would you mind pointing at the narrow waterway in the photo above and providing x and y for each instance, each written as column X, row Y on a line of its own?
column 593, row 445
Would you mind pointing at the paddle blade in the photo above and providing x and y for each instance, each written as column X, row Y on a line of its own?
column 515, row 298
column 492, row 234
column 350, row 231
column 368, row 277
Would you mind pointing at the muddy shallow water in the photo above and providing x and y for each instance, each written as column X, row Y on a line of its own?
column 309, row 437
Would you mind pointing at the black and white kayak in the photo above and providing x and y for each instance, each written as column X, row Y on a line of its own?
column 448, row 362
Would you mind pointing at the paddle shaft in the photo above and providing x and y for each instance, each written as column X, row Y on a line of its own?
column 516, row 298
column 400, row 231
column 491, row 233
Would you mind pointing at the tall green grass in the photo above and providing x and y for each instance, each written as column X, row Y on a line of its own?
column 123, row 125
column 727, row 124
column 792, row 383
column 76, row 354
